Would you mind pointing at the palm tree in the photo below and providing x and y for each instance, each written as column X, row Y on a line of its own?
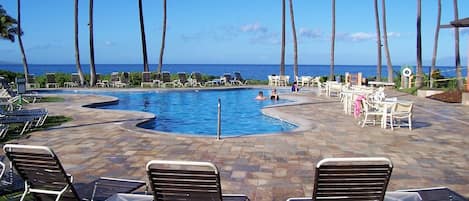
column 163, row 38
column 419, row 78
column 435, row 43
column 386, row 46
column 282, row 55
column 459, row 83
column 8, row 26
column 77, row 49
column 331, row 71
column 378, row 41
column 144, row 42
column 295, row 42
column 20, row 41
column 92, row 66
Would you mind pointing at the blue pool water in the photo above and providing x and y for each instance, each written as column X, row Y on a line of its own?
column 195, row 111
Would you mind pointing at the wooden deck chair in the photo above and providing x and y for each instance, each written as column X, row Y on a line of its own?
column 186, row 181
column 45, row 178
column 351, row 179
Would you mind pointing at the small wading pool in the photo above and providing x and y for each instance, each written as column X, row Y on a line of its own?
column 194, row 111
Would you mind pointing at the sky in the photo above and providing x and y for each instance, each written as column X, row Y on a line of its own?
column 229, row 32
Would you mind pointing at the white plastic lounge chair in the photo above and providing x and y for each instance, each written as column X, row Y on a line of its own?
column 182, row 80
column 2, row 169
column 27, row 121
column 226, row 79
column 74, row 82
column 40, row 114
column 10, row 182
column 238, row 79
column 350, row 179
column 148, row 80
column 50, row 80
column 3, row 130
column 437, row 194
column 166, row 79
column 187, row 180
column 196, row 79
column 45, row 177
column 31, row 81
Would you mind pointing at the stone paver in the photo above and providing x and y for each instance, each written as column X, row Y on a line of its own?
column 266, row 167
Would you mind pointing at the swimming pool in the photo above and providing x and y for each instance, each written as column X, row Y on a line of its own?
column 194, row 112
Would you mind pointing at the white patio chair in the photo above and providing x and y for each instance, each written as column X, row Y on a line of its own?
column 401, row 111
column 370, row 109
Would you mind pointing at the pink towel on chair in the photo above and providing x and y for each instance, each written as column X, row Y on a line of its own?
column 358, row 106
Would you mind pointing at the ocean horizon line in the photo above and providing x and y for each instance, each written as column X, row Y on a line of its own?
column 364, row 65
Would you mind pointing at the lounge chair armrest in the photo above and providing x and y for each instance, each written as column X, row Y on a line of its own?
column 235, row 197
column 300, row 199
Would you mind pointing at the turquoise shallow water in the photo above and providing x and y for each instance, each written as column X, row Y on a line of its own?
column 194, row 112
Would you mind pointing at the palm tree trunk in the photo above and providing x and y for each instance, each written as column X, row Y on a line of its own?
column 92, row 66
column 295, row 41
column 20, row 42
column 77, row 49
column 378, row 42
column 331, row 71
column 435, row 43
column 386, row 46
column 282, row 54
column 460, row 83
column 419, row 78
column 144, row 42
column 163, row 38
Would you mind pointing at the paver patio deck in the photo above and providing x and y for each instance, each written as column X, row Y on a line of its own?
column 266, row 167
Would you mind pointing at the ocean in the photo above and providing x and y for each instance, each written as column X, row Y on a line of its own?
column 248, row 71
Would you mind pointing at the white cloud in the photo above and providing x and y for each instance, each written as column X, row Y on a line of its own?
column 255, row 27
column 308, row 33
column 394, row 34
column 267, row 38
column 109, row 43
column 363, row 36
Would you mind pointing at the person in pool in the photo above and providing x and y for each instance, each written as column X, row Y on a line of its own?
column 274, row 95
column 260, row 96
